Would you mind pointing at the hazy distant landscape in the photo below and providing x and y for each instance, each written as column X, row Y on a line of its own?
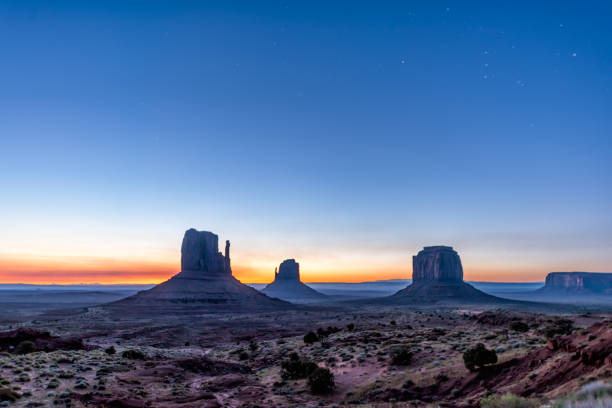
column 24, row 298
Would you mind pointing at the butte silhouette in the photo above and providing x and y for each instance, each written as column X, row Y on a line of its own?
column 287, row 285
column 437, row 277
column 205, row 282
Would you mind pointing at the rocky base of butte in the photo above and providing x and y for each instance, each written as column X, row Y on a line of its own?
column 287, row 285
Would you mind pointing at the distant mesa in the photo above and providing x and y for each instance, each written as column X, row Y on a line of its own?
column 287, row 285
column 205, row 281
column 437, row 277
column 577, row 283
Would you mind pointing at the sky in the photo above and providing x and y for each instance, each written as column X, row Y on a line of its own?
column 346, row 135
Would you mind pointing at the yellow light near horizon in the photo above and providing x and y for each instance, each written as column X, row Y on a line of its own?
column 75, row 270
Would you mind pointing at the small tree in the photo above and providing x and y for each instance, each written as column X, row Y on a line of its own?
column 478, row 357
column 311, row 337
column 296, row 368
column 321, row 381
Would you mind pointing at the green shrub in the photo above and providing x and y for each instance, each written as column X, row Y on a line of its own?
column 507, row 401
column 323, row 332
column 559, row 327
column 321, row 381
column 110, row 350
column 478, row 357
column 296, row 368
column 350, row 326
column 400, row 355
column 310, row 338
column 133, row 355
column 519, row 326
column 25, row 347
column 6, row 394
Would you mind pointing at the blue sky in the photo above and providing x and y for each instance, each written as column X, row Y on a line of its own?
column 347, row 135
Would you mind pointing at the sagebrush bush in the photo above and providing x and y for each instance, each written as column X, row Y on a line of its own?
column 507, row 401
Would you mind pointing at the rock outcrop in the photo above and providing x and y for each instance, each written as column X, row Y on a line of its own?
column 205, row 282
column 437, row 263
column 577, row 283
column 437, row 277
column 200, row 252
column 289, row 270
column 287, row 285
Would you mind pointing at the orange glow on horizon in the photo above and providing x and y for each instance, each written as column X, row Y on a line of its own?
column 90, row 270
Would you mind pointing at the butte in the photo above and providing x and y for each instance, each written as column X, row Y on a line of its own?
column 205, row 283
column 287, row 285
column 437, row 277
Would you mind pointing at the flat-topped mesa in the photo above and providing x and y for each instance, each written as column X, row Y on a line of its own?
column 579, row 282
column 437, row 263
column 288, row 270
column 200, row 252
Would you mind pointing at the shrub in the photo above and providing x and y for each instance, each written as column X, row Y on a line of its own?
column 321, row 381
column 350, row 326
column 243, row 355
column 6, row 394
column 253, row 346
column 310, row 338
column 25, row 347
column 400, row 355
column 323, row 332
column 559, row 327
column 519, row 326
column 478, row 357
column 296, row 368
column 133, row 355
column 507, row 401
column 110, row 350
